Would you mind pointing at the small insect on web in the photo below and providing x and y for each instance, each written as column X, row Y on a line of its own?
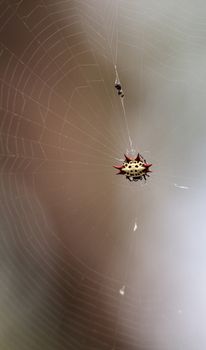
column 119, row 88
column 118, row 85
column 134, row 169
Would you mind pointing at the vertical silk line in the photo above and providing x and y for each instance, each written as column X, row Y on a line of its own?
column 115, row 58
column 124, row 113
column 117, row 78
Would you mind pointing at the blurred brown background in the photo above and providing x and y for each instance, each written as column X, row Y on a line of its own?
column 88, row 260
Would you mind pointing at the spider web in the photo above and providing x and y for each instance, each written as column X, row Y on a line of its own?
column 89, row 260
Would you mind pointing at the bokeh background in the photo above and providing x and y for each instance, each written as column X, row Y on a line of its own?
column 89, row 260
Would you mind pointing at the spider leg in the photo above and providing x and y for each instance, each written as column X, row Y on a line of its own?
column 128, row 177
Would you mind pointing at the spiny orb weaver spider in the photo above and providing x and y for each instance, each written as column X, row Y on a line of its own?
column 134, row 169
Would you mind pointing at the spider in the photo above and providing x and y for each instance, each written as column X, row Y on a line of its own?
column 134, row 169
